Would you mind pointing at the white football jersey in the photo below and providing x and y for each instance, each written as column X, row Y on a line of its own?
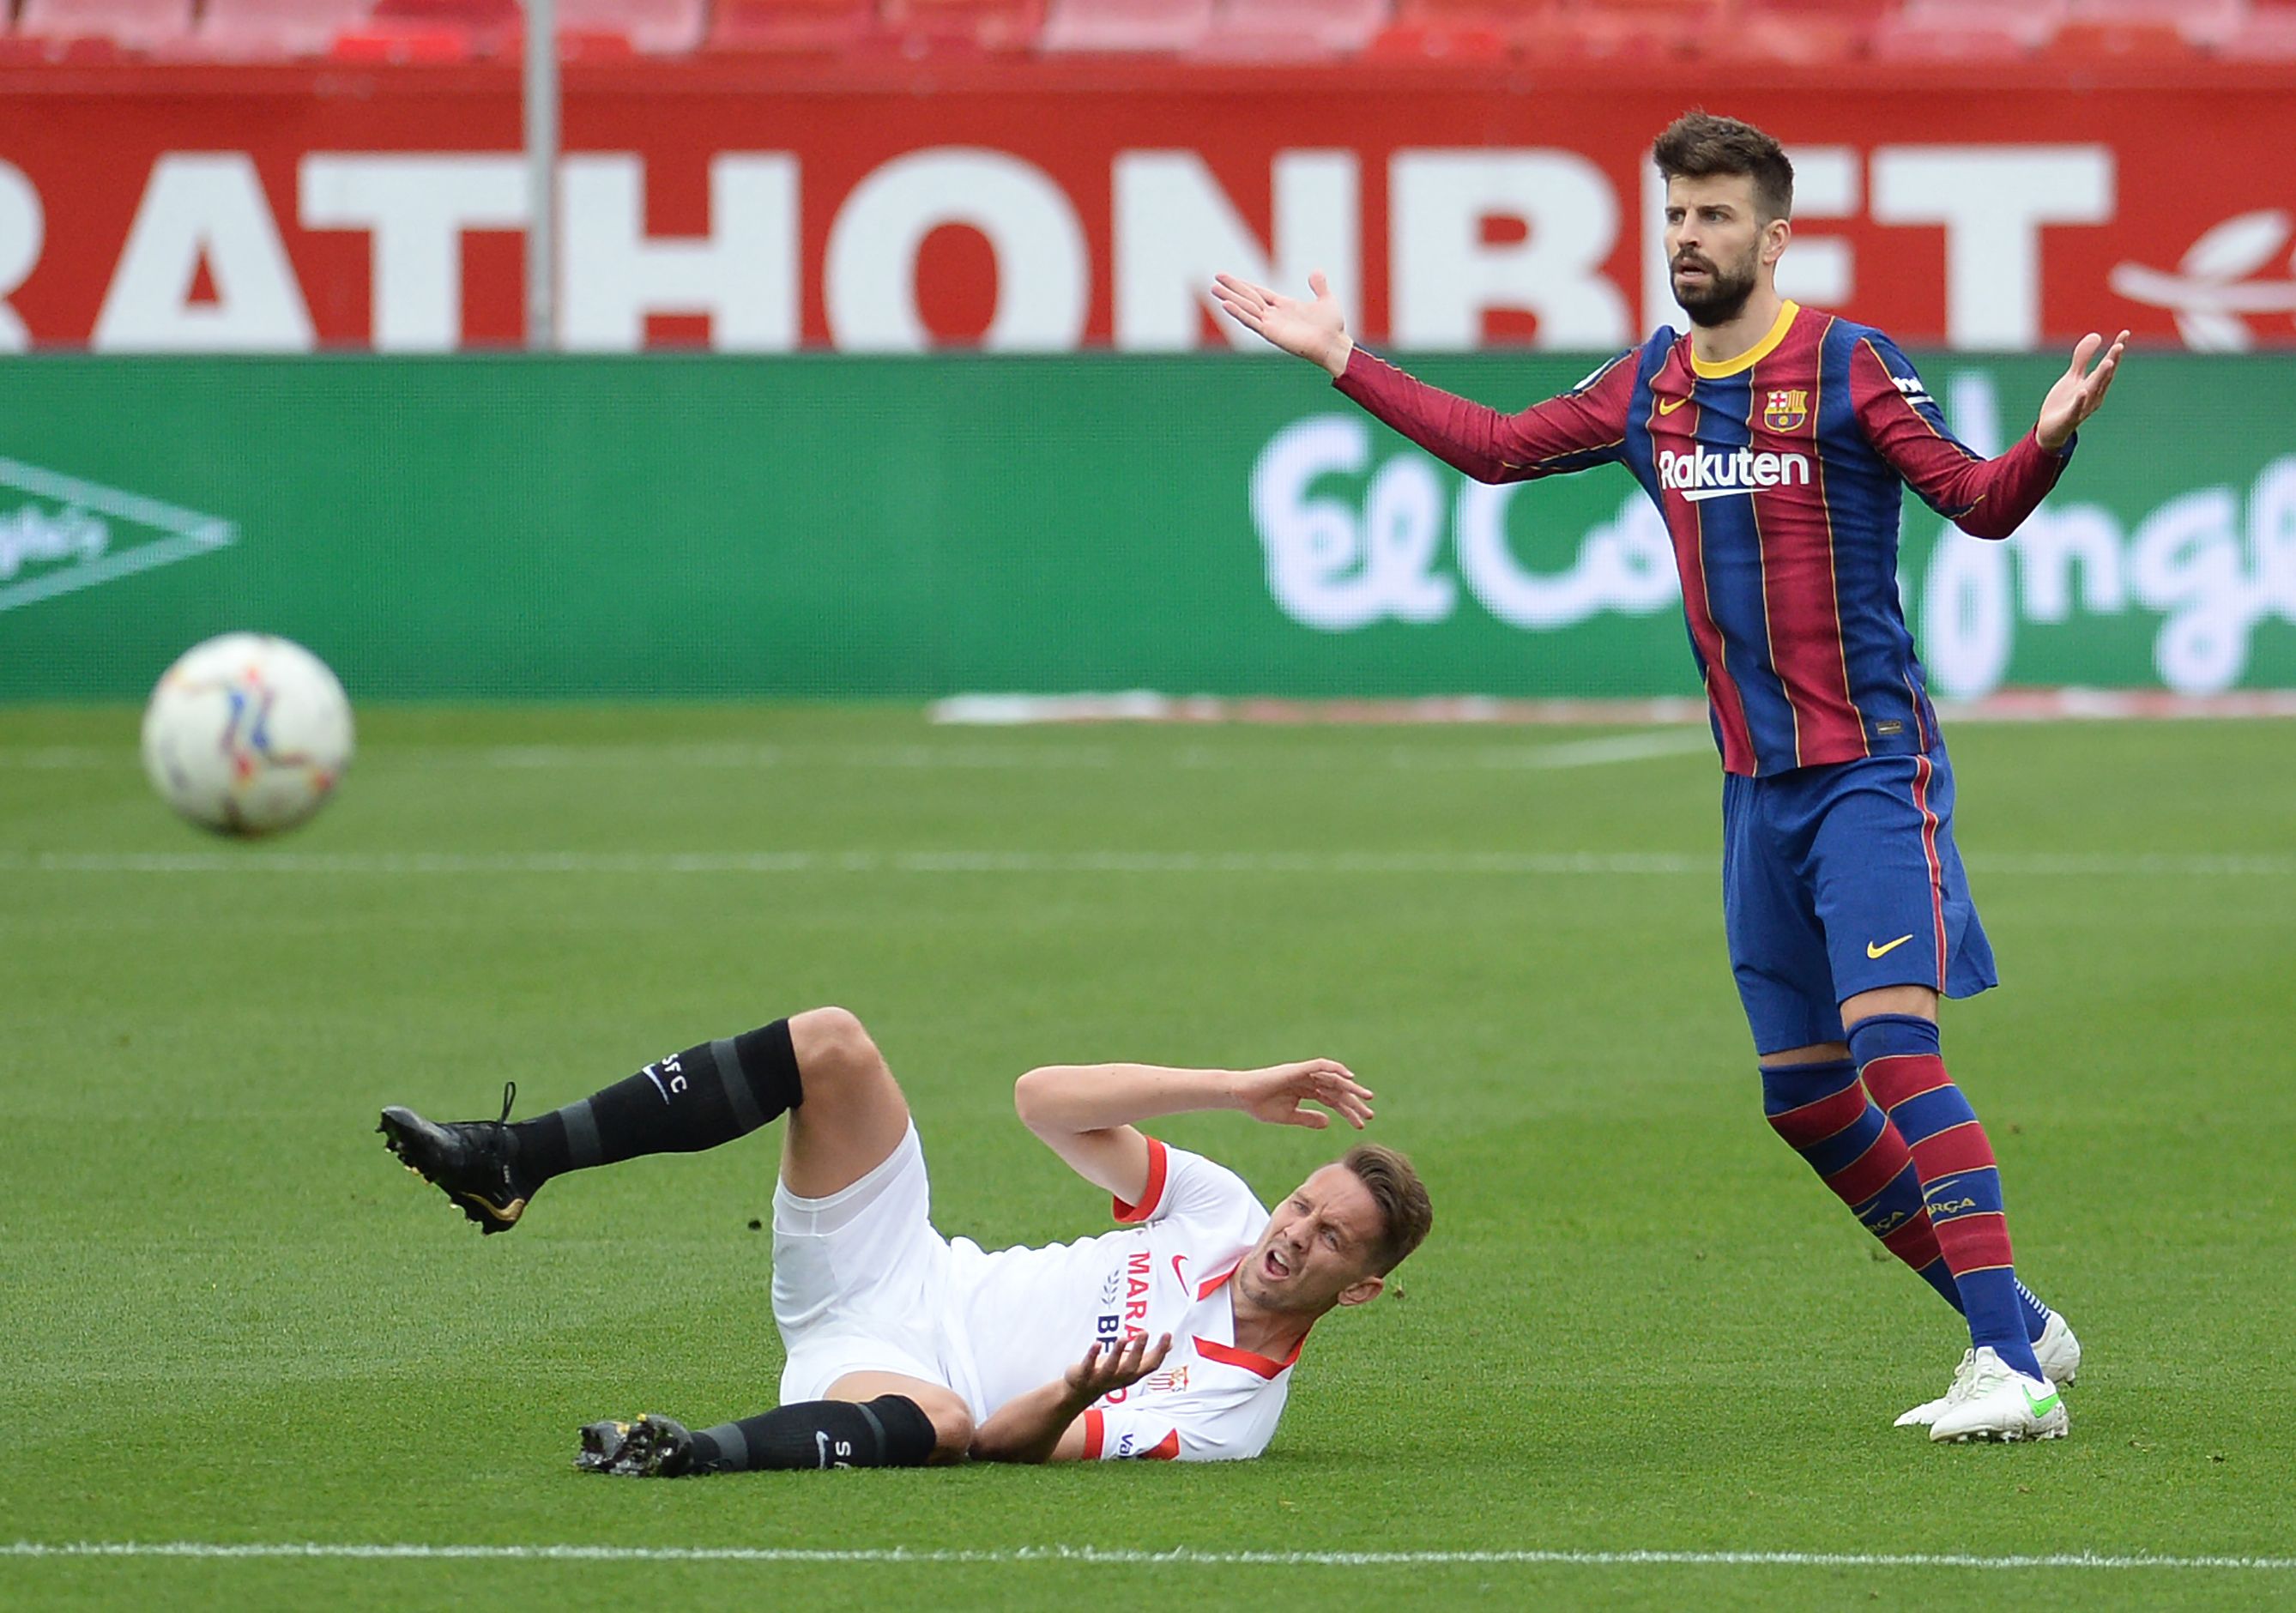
column 1026, row 1315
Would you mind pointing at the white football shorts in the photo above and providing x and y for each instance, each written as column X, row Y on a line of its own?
column 861, row 1279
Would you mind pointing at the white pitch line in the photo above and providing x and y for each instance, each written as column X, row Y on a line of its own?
column 856, row 862
column 1641, row 745
column 1178, row 1556
column 1523, row 863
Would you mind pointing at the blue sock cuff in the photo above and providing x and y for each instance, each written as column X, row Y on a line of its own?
column 1789, row 1086
column 1891, row 1036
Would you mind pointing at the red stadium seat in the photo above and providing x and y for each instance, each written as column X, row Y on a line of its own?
column 475, row 16
column 1966, row 29
column 1897, row 39
column 24, row 50
column 1437, row 30
column 967, row 25
column 660, row 27
column 1626, row 29
column 407, row 46
column 1126, row 24
column 800, row 26
column 275, row 28
column 1292, row 30
column 2199, row 22
column 1438, row 42
column 2266, row 34
column 2081, row 39
column 1802, row 31
column 142, row 25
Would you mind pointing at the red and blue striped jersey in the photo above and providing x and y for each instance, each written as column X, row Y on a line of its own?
column 1778, row 474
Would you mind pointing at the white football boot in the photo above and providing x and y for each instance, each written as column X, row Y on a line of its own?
column 2057, row 1350
column 2001, row 1402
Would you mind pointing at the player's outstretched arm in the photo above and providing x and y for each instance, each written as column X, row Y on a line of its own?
column 1044, row 1424
column 1085, row 1112
column 1583, row 427
column 1984, row 497
column 1314, row 331
column 2079, row 391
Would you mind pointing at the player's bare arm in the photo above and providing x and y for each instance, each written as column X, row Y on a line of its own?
column 1048, row 1424
column 1314, row 331
column 1085, row 1113
column 2080, row 392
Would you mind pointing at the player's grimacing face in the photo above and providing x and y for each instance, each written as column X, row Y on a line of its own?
column 1318, row 1247
column 1715, row 245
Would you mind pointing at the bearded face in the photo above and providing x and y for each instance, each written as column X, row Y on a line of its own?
column 1714, row 245
column 1712, row 292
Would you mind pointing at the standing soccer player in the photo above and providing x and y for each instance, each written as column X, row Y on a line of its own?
column 1774, row 439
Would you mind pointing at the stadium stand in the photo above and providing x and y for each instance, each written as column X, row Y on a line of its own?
column 415, row 32
column 806, row 27
column 254, row 29
column 1292, row 30
column 1801, row 31
column 1125, row 26
column 2076, row 34
column 970, row 25
column 2268, row 33
column 1965, row 30
column 472, row 15
column 1436, row 41
column 2200, row 21
column 659, row 27
column 142, row 25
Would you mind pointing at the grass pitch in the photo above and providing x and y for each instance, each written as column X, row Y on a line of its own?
column 1640, row 1326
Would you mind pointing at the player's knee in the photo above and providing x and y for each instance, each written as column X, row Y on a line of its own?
column 952, row 1424
column 831, row 1041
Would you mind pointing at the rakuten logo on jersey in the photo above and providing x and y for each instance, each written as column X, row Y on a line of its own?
column 1704, row 474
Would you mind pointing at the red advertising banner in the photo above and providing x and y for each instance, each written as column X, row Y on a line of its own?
column 290, row 210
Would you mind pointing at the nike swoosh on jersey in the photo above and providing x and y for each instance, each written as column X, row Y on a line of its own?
column 1177, row 1272
column 1668, row 405
column 1872, row 951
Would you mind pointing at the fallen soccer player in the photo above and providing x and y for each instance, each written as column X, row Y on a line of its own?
column 1170, row 1338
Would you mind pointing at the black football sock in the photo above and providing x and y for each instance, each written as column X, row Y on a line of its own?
column 688, row 1102
column 890, row 1431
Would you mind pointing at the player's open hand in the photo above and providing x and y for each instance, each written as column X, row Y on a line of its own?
column 1280, row 1094
column 2079, row 391
column 1314, row 331
column 1106, row 1369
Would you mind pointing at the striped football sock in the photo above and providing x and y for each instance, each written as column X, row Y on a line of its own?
column 1900, row 1058
column 1823, row 1115
column 695, row 1099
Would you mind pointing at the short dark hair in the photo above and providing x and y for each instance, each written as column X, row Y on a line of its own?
column 1699, row 145
column 1405, row 1211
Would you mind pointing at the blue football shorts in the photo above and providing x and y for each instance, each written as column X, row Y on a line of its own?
column 1841, row 879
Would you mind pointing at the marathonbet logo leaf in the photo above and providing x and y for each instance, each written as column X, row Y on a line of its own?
column 59, row 534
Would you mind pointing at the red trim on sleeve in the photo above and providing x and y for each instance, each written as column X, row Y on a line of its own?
column 1227, row 1355
column 1095, row 1434
column 1152, row 1195
column 1167, row 1449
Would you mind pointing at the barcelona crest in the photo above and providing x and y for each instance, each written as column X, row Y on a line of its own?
column 1786, row 411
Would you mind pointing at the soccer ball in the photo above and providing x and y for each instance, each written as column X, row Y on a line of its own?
column 247, row 735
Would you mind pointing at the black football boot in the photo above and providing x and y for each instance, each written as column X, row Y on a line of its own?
column 473, row 1162
column 654, row 1446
